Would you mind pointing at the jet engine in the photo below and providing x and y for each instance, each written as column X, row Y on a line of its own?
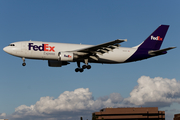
column 66, row 56
column 55, row 63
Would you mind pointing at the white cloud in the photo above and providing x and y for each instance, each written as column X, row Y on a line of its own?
column 2, row 115
column 70, row 105
column 74, row 103
column 155, row 91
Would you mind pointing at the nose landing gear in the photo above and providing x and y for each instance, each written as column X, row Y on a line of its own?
column 23, row 64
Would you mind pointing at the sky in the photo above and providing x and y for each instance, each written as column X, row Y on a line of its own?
column 39, row 92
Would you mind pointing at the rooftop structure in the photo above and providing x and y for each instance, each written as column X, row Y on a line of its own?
column 177, row 117
column 143, row 113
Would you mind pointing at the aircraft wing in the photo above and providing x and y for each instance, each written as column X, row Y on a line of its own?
column 158, row 52
column 102, row 48
column 91, row 52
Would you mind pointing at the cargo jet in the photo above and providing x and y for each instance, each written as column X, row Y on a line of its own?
column 61, row 54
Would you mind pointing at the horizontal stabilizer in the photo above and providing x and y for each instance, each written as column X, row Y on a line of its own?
column 159, row 52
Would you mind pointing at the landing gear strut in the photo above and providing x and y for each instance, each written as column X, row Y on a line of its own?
column 23, row 64
column 79, row 69
column 86, row 64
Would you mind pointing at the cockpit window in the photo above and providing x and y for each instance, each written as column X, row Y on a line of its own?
column 11, row 44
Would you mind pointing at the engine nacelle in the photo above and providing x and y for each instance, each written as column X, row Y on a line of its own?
column 55, row 63
column 66, row 56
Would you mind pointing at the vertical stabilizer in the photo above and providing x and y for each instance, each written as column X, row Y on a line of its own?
column 154, row 41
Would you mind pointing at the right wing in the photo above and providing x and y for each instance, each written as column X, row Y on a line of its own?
column 91, row 52
column 102, row 48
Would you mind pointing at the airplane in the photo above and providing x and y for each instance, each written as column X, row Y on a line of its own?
column 61, row 54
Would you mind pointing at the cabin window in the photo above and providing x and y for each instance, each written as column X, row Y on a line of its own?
column 11, row 44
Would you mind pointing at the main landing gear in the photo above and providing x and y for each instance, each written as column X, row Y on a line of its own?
column 86, row 66
column 23, row 64
column 79, row 69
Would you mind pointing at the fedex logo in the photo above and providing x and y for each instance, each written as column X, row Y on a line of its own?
column 43, row 47
column 156, row 38
column 67, row 56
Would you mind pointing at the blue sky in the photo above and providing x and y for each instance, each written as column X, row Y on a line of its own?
column 87, row 22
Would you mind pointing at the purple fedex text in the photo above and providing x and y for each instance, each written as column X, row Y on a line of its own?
column 43, row 47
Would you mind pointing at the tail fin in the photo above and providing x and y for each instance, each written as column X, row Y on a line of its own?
column 154, row 41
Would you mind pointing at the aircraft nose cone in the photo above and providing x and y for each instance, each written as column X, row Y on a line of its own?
column 5, row 49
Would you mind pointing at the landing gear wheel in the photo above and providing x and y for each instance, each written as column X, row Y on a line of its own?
column 84, row 66
column 79, row 70
column 23, row 64
column 88, row 67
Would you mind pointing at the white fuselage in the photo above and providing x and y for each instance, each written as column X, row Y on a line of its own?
column 61, row 54
column 50, row 50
